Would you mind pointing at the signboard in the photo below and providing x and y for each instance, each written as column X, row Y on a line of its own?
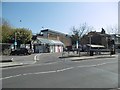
column 15, row 43
column 77, row 44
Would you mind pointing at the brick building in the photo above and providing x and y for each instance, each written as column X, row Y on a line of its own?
column 54, row 35
column 51, row 41
column 97, row 38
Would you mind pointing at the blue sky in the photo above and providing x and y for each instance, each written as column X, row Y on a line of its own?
column 60, row 16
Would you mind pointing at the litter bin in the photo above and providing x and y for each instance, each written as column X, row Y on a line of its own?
column 91, row 53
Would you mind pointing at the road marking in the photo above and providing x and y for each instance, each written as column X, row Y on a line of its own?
column 65, row 69
column 44, row 72
column 60, row 70
column 36, row 73
column 96, row 64
column 35, row 58
column 11, row 77
column 29, row 65
column 94, row 59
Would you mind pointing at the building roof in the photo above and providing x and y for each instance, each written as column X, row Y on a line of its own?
column 56, row 32
column 48, row 41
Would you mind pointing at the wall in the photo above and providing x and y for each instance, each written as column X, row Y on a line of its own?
column 58, row 36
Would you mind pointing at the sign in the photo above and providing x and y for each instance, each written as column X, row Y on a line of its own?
column 77, row 44
column 15, row 43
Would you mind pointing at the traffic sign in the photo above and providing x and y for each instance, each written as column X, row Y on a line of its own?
column 15, row 43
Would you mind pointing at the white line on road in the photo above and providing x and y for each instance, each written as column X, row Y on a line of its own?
column 96, row 64
column 35, row 58
column 44, row 72
column 10, row 77
column 42, row 64
column 60, row 70
column 65, row 69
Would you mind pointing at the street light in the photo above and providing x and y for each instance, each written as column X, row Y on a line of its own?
column 90, row 40
column 107, row 41
column 15, row 41
column 91, row 52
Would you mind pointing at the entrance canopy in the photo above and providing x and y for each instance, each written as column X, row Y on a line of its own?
column 95, row 46
column 48, row 41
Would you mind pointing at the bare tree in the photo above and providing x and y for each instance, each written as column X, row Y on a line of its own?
column 77, row 33
column 81, row 30
column 112, row 29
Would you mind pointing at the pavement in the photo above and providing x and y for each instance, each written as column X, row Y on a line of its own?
column 12, row 61
column 32, row 59
column 91, row 57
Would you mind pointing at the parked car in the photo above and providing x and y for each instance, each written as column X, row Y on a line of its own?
column 23, row 51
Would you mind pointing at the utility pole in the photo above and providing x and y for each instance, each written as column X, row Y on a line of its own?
column 15, row 41
column 90, row 40
column 107, row 42
column 79, row 45
column 91, row 52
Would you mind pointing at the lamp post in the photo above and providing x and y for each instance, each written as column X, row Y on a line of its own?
column 90, row 40
column 15, row 41
column 79, row 46
column 91, row 52
column 107, row 41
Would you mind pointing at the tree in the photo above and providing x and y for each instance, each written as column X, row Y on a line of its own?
column 23, row 35
column 77, row 33
column 112, row 29
column 6, row 31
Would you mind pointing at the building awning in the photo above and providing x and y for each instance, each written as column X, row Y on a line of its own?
column 95, row 46
column 56, row 42
column 48, row 41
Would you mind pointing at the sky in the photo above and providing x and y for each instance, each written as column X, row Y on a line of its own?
column 60, row 16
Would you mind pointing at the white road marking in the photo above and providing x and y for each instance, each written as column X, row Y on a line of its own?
column 65, row 69
column 95, row 59
column 96, row 64
column 44, row 72
column 10, row 77
column 12, row 59
column 43, row 64
column 60, row 70
column 35, row 58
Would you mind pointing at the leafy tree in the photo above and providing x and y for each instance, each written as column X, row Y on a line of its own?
column 23, row 35
column 7, row 34
column 6, row 31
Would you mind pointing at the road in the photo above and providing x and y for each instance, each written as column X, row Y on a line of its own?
column 52, row 72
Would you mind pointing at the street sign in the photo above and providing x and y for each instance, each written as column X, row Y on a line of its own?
column 15, row 43
column 77, row 44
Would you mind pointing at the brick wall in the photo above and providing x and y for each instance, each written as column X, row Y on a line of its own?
column 58, row 36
